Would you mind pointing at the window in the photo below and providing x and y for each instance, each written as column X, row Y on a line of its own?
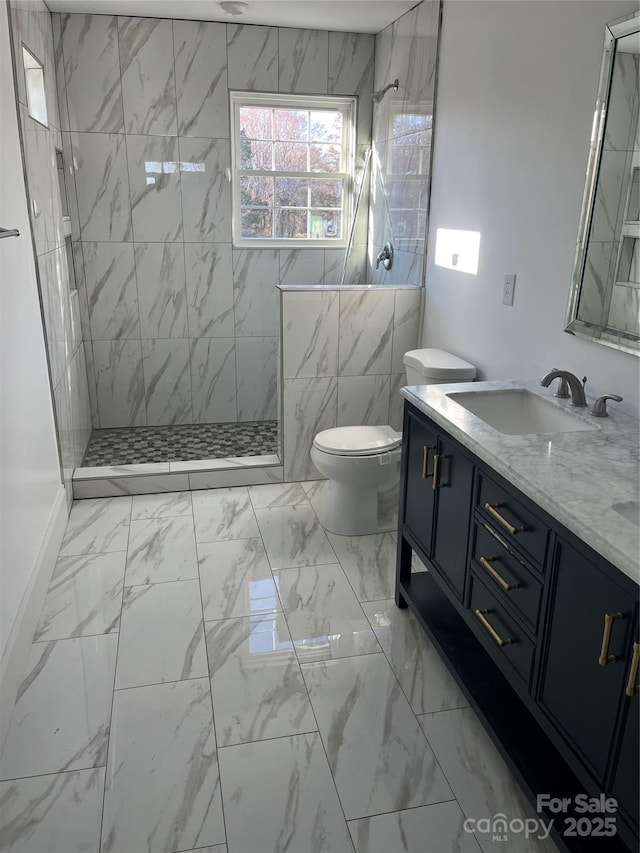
column 293, row 159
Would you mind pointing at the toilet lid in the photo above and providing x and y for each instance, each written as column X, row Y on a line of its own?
column 357, row 440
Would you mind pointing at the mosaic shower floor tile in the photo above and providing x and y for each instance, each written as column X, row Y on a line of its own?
column 134, row 445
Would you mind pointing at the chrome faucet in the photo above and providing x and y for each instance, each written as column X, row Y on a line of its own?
column 577, row 388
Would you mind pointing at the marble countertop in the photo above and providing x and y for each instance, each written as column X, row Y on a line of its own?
column 588, row 480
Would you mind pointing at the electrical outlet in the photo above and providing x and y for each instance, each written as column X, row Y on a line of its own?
column 509, row 287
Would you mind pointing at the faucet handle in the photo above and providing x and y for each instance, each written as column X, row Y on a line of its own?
column 600, row 406
column 385, row 256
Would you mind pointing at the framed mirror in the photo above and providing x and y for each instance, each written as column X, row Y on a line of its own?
column 604, row 300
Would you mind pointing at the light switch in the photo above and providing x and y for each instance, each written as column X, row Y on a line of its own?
column 509, row 287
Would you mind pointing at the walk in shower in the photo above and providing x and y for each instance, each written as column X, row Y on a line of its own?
column 162, row 335
column 181, row 349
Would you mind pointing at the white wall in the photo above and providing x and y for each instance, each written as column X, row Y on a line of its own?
column 516, row 92
column 30, row 487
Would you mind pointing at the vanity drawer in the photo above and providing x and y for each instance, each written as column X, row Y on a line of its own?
column 511, row 518
column 505, row 575
column 502, row 637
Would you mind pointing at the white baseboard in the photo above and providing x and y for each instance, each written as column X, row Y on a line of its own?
column 18, row 645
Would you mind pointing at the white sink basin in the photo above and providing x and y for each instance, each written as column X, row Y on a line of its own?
column 516, row 411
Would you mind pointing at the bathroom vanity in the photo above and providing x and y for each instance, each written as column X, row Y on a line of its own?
column 531, row 542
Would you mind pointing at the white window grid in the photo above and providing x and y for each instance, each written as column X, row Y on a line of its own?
column 314, row 103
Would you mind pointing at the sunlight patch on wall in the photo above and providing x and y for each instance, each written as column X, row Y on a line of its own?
column 457, row 250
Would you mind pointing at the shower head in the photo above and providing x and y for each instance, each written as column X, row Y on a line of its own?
column 379, row 95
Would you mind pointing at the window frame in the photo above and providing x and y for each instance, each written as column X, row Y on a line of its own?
column 272, row 100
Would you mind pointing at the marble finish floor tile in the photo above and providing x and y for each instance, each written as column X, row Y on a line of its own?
column 378, row 755
column 58, row 813
column 61, row 717
column 276, row 678
column 323, row 614
column 424, row 678
column 163, row 786
column 286, row 788
column 84, row 597
column 481, row 781
column 217, row 848
column 161, row 635
column 236, row 580
column 313, row 488
column 161, row 549
column 426, row 828
column 164, row 505
column 256, row 684
column 369, row 562
column 96, row 526
column 293, row 537
column 224, row 514
column 277, row 494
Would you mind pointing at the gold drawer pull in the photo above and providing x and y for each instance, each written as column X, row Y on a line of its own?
column 436, row 470
column 492, row 509
column 605, row 658
column 425, row 461
column 482, row 616
column 633, row 688
column 486, row 563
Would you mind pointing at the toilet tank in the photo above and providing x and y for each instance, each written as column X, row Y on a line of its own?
column 436, row 367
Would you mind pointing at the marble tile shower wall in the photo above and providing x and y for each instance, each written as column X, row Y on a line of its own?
column 31, row 27
column 179, row 326
column 342, row 363
column 402, row 126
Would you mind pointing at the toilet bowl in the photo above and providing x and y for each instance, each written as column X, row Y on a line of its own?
column 362, row 463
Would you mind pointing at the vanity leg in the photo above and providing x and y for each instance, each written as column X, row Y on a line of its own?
column 403, row 569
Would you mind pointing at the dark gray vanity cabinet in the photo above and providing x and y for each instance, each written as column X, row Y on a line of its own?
column 587, row 655
column 437, row 501
column 538, row 630
column 452, row 481
column 420, row 496
column 625, row 781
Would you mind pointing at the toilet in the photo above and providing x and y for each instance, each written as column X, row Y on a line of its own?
column 362, row 463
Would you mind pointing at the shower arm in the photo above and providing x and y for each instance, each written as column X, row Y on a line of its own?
column 379, row 95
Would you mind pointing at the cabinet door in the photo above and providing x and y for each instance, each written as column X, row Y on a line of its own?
column 454, row 479
column 582, row 696
column 419, row 500
column 625, row 784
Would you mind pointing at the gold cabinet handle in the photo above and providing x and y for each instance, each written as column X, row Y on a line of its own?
column 492, row 509
column 605, row 658
column 632, row 688
column 482, row 616
column 486, row 563
column 425, row 461
column 436, row 470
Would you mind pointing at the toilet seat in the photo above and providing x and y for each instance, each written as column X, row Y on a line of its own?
column 357, row 440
